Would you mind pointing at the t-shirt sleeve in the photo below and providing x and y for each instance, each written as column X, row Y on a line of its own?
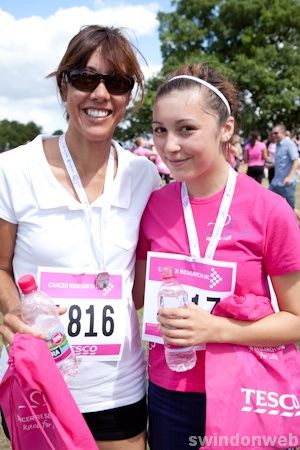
column 282, row 243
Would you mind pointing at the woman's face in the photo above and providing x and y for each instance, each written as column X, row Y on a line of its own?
column 95, row 115
column 187, row 135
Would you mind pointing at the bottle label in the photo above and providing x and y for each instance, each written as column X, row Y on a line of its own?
column 58, row 344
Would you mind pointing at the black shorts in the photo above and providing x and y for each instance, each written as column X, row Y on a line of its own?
column 4, row 426
column 120, row 423
column 113, row 424
column 256, row 172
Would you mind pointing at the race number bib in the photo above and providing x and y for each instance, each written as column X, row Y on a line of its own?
column 207, row 282
column 95, row 318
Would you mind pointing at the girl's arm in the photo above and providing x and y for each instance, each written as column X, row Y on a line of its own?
column 193, row 325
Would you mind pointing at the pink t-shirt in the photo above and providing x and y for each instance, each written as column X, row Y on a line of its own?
column 161, row 167
column 142, row 151
column 261, row 235
column 271, row 151
column 255, row 154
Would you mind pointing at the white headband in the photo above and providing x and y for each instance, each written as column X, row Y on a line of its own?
column 208, row 85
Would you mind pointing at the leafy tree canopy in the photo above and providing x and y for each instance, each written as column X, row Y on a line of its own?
column 255, row 43
column 138, row 123
column 13, row 134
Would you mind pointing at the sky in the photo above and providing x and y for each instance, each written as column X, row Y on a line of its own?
column 34, row 36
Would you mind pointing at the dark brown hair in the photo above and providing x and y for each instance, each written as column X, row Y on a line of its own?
column 113, row 44
column 206, row 73
column 254, row 136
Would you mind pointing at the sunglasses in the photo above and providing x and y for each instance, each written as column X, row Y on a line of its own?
column 87, row 81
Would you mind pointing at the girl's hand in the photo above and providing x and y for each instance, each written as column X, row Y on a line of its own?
column 186, row 326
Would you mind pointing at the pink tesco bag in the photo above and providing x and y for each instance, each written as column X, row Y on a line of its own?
column 253, row 393
column 38, row 407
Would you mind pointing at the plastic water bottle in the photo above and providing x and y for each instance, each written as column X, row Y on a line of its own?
column 40, row 312
column 171, row 294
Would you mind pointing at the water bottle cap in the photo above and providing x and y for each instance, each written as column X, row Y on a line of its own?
column 168, row 272
column 27, row 284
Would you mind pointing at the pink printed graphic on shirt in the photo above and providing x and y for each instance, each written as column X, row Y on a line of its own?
column 206, row 276
column 69, row 285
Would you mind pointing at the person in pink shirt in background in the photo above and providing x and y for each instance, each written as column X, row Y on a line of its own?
column 162, row 168
column 255, row 155
column 209, row 215
column 140, row 149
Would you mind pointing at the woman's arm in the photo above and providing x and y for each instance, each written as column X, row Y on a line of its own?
column 192, row 325
column 288, row 179
column 264, row 153
column 139, row 283
column 10, row 305
column 9, row 297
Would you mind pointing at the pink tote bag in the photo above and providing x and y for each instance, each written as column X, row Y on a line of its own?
column 253, row 393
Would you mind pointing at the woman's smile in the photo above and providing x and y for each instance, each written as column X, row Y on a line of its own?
column 97, row 113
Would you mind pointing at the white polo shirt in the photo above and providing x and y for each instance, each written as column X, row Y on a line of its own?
column 52, row 232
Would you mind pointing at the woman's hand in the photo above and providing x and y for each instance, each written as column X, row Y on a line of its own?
column 186, row 326
column 12, row 324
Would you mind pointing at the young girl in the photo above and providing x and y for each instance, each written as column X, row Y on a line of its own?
column 211, row 215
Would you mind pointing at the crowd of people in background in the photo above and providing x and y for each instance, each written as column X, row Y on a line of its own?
column 143, row 148
column 254, row 154
column 255, row 148
column 275, row 159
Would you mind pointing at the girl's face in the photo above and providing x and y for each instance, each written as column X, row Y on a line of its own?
column 188, row 136
column 95, row 115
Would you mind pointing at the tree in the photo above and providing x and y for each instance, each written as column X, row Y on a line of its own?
column 138, row 122
column 255, row 43
column 13, row 134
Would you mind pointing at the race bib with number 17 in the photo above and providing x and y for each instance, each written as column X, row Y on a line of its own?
column 207, row 282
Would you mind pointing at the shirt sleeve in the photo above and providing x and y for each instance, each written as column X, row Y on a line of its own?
column 293, row 151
